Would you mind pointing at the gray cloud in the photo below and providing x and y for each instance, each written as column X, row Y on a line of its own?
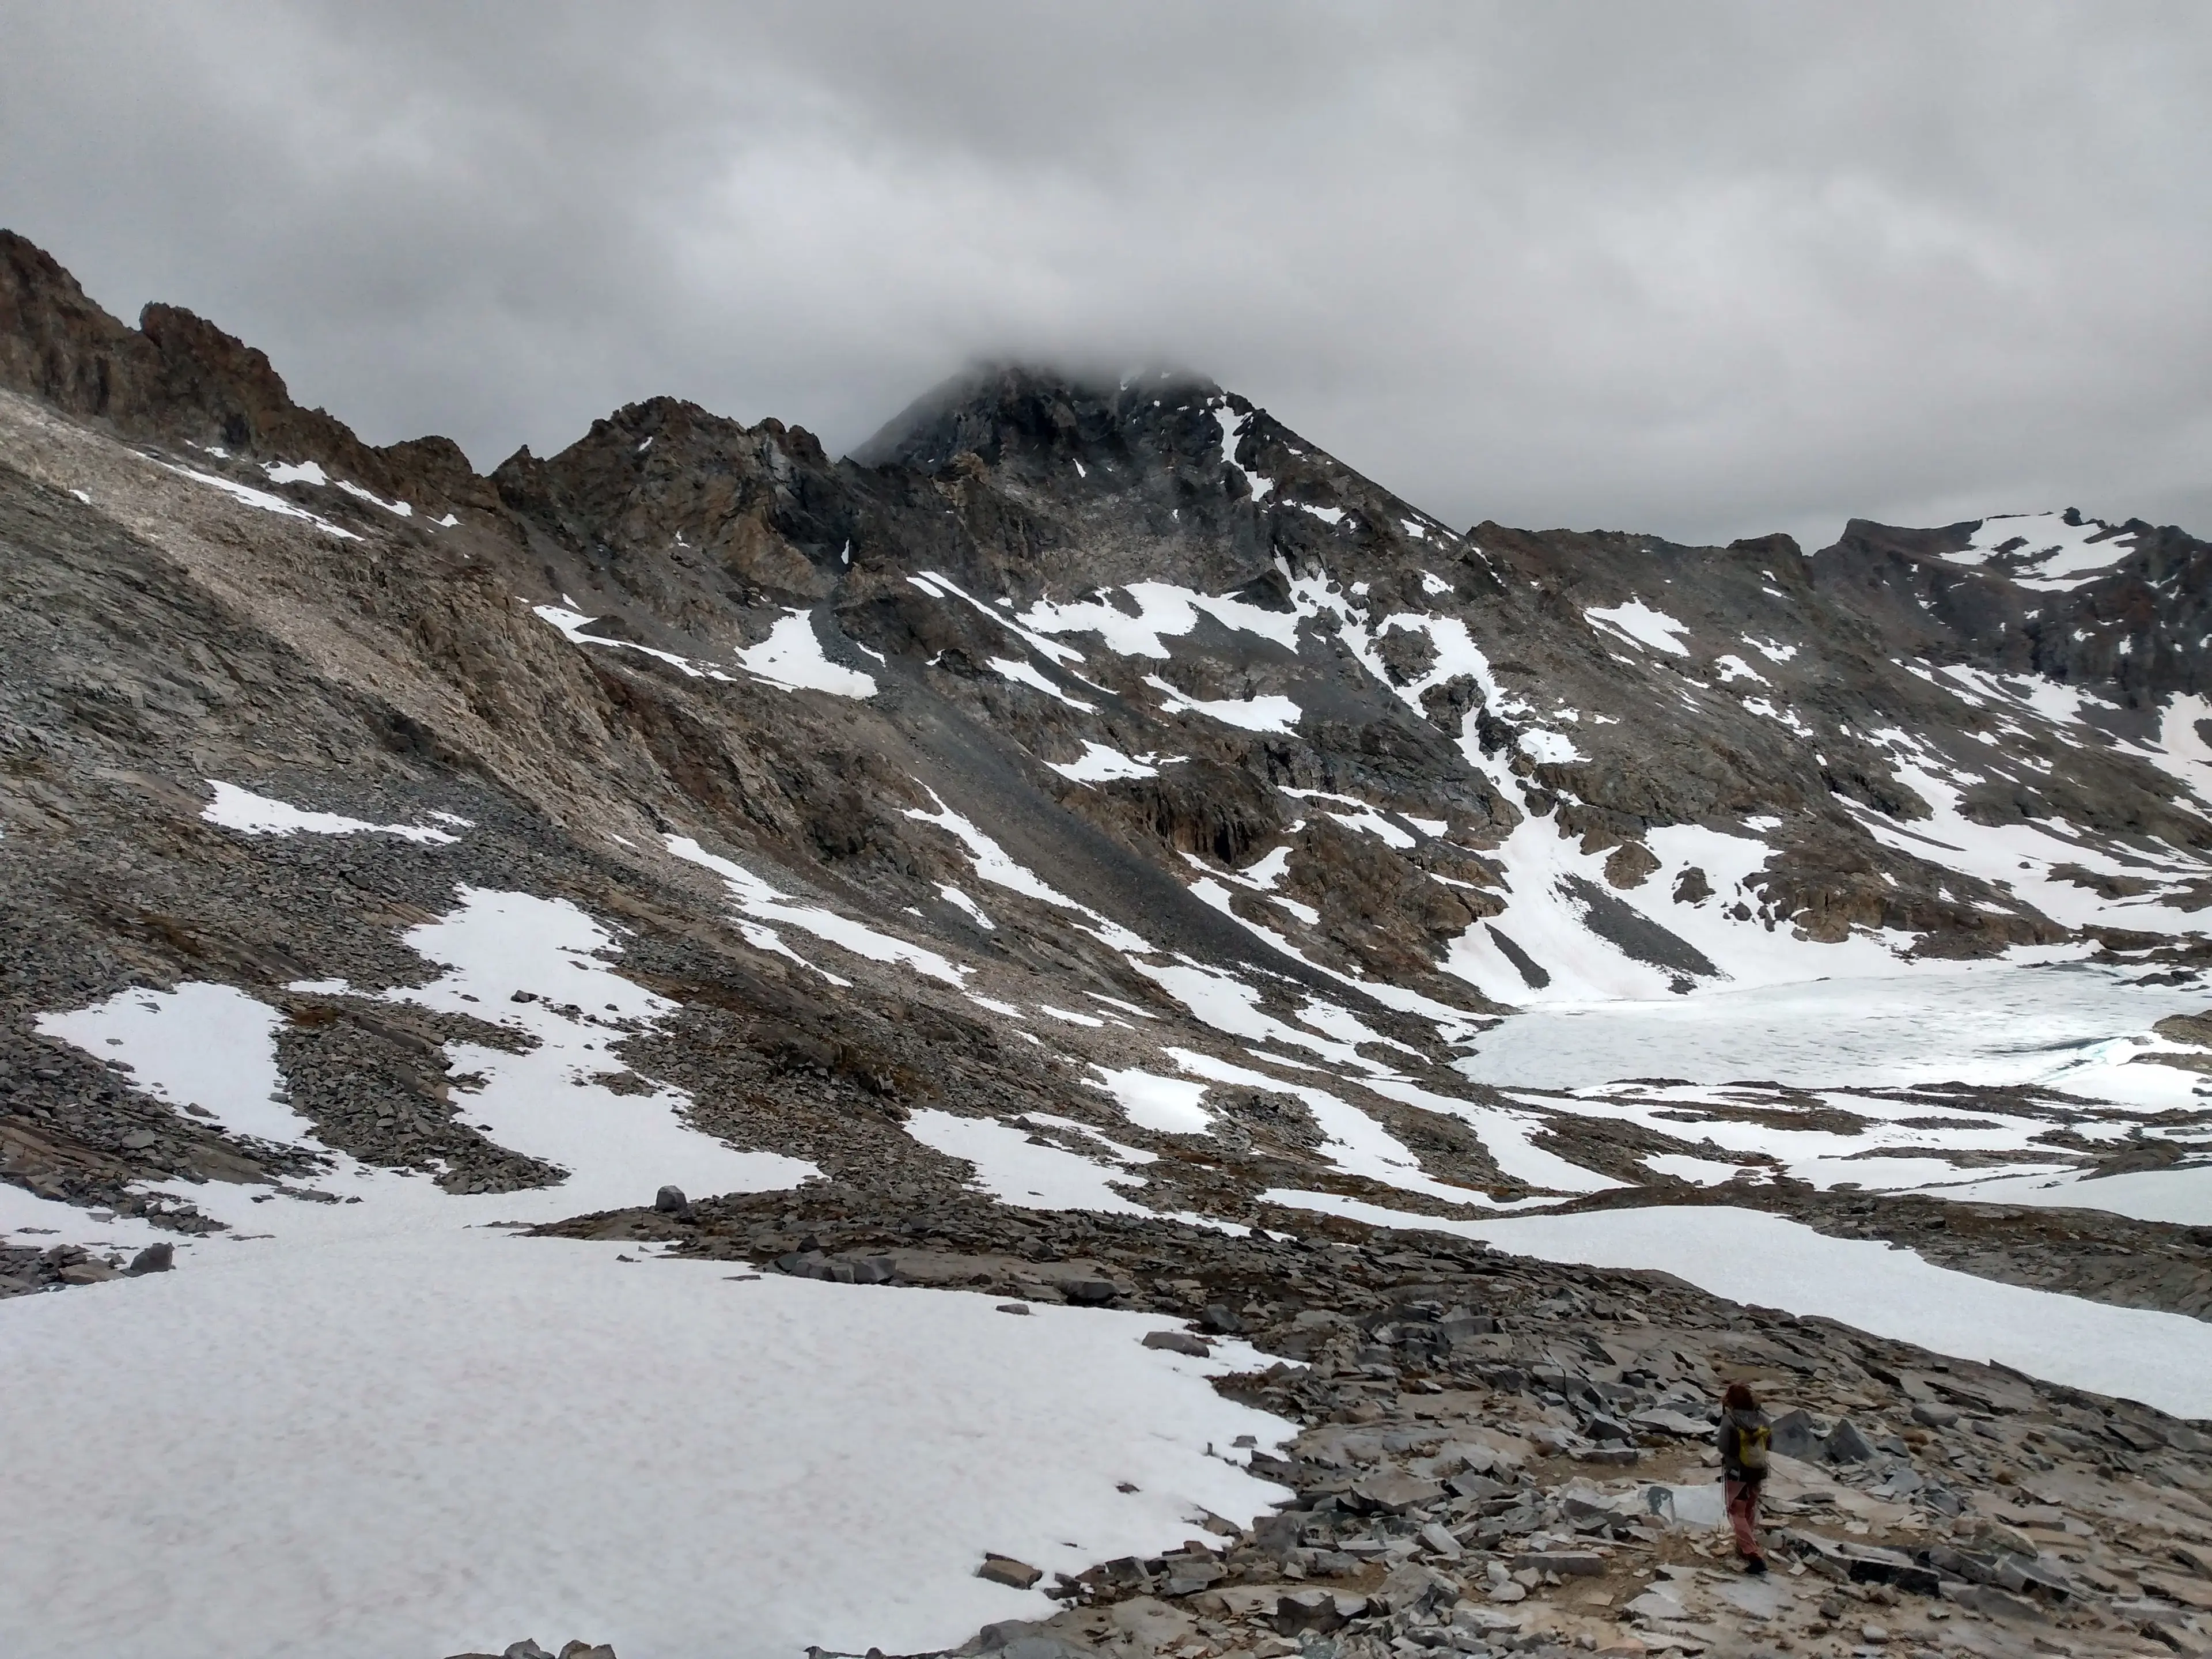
column 1702, row 270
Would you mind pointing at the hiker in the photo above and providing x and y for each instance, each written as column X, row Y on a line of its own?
column 1744, row 1434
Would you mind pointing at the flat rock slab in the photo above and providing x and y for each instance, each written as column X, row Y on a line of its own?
column 1567, row 1564
column 1395, row 1494
column 1762, row 1598
column 1664, row 1421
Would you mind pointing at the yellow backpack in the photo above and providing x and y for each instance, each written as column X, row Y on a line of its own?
column 1751, row 1447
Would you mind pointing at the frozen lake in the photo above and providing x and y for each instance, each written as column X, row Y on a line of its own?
column 2062, row 1026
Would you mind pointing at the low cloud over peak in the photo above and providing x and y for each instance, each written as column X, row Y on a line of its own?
column 1703, row 270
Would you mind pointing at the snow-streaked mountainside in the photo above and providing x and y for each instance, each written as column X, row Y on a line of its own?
column 1089, row 837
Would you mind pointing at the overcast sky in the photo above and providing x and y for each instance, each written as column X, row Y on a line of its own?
column 1705, row 270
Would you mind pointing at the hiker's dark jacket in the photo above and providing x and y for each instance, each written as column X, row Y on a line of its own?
column 1737, row 1429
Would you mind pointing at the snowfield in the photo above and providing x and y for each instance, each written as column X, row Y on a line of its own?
column 385, row 1423
column 425, row 1441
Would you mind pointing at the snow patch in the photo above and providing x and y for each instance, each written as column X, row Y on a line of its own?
column 1027, row 673
column 2053, row 555
column 412, row 1374
column 1165, row 1104
column 1265, row 712
column 1163, row 611
column 1653, row 629
column 572, row 622
column 250, row 814
column 1232, row 425
column 994, row 865
column 960, row 901
column 756, row 899
column 261, row 500
column 791, row 657
column 1100, row 764
column 208, row 1046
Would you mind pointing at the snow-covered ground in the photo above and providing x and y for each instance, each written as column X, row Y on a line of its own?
column 426, row 1443
column 791, row 657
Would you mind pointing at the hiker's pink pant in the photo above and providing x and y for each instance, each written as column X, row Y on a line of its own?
column 1743, row 1500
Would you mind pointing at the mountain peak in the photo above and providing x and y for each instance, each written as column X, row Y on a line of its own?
column 993, row 408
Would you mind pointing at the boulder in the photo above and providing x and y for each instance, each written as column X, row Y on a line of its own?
column 2034, row 1573
column 1614, row 1453
column 1661, row 1601
column 1845, row 1444
column 1026, row 1638
column 1316, row 1612
column 670, row 1200
column 1189, row 1572
column 156, row 1258
column 1179, row 1342
column 1590, row 1508
column 1792, row 1435
column 1459, row 1325
column 1474, row 1457
column 1871, row 1564
column 1992, row 1537
column 1277, row 1535
column 1416, row 1588
column 1004, row 1570
column 1043, row 1645
column 1465, row 1485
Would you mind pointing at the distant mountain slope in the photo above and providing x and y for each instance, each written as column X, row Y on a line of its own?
column 1075, row 734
